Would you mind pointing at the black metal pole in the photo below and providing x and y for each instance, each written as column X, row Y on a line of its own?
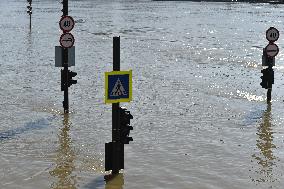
column 270, row 64
column 65, row 64
column 30, row 12
column 65, row 7
column 115, row 108
column 269, row 95
column 30, row 21
column 65, row 70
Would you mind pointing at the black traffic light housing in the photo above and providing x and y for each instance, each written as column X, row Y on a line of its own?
column 124, row 126
column 70, row 76
column 65, row 7
column 114, row 152
column 29, row 7
column 267, row 79
column 264, row 78
column 29, row 11
column 67, row 76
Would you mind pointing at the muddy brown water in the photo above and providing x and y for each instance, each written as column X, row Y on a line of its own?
column 200, row 116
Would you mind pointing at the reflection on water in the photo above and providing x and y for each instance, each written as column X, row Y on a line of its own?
column 64, row 165
column 114, row 181
column 265, row 158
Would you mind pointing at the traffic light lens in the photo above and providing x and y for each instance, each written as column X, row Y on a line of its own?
column 124, row 125
column 70, row 78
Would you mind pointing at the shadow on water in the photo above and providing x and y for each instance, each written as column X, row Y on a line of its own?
column 265, row 158
column 253, row 116
column 111, row 182
column 65, row 160
column 36, row 125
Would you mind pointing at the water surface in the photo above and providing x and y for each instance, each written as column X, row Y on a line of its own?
column 200, row 116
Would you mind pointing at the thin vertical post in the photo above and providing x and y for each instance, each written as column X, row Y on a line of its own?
column 30, row 22
column 29, row 11
column 270, row 61
column 65, row 65
column 115, row 109
column 115, row 106
column 65, row 70
column 269, row 95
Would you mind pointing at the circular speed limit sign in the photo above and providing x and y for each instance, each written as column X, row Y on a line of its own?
column 272, row 34
column 66, row 23
column 67, row 40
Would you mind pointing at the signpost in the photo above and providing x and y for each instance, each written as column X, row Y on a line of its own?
column 58, row 56
column 118, row 86
column 272, row 34
column 67, row 40
column 29, row 11
column 271, row 50
column 66, row 23
column 268, row 59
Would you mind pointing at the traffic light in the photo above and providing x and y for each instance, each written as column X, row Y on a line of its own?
column 264, row 78
column 70, row 76
column 29, row 11
column 114, row 156
column 65, row 7
column 29, row 7
column 124, row 125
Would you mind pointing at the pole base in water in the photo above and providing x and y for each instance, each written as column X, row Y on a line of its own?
column 269, row 96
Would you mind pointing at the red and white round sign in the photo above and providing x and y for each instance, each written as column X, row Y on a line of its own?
column 272, row 34
column 271, row 49
column 67, row 40
column 66, row 23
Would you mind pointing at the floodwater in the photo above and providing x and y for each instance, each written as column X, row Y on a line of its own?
column 200, row 116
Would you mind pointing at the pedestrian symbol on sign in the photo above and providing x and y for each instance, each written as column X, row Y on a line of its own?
column 118, row 89
column 118, row 86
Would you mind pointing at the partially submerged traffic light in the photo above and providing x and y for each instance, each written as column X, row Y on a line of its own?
column 124, row 119
column 114, row 151
column 67, row 79
column 264, row 78
column 70, row 76
column 29, row 11
column 267, row 79
column 114, row 156
column 65, row 7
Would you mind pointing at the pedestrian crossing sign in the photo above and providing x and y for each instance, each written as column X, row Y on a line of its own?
column 118, row 86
